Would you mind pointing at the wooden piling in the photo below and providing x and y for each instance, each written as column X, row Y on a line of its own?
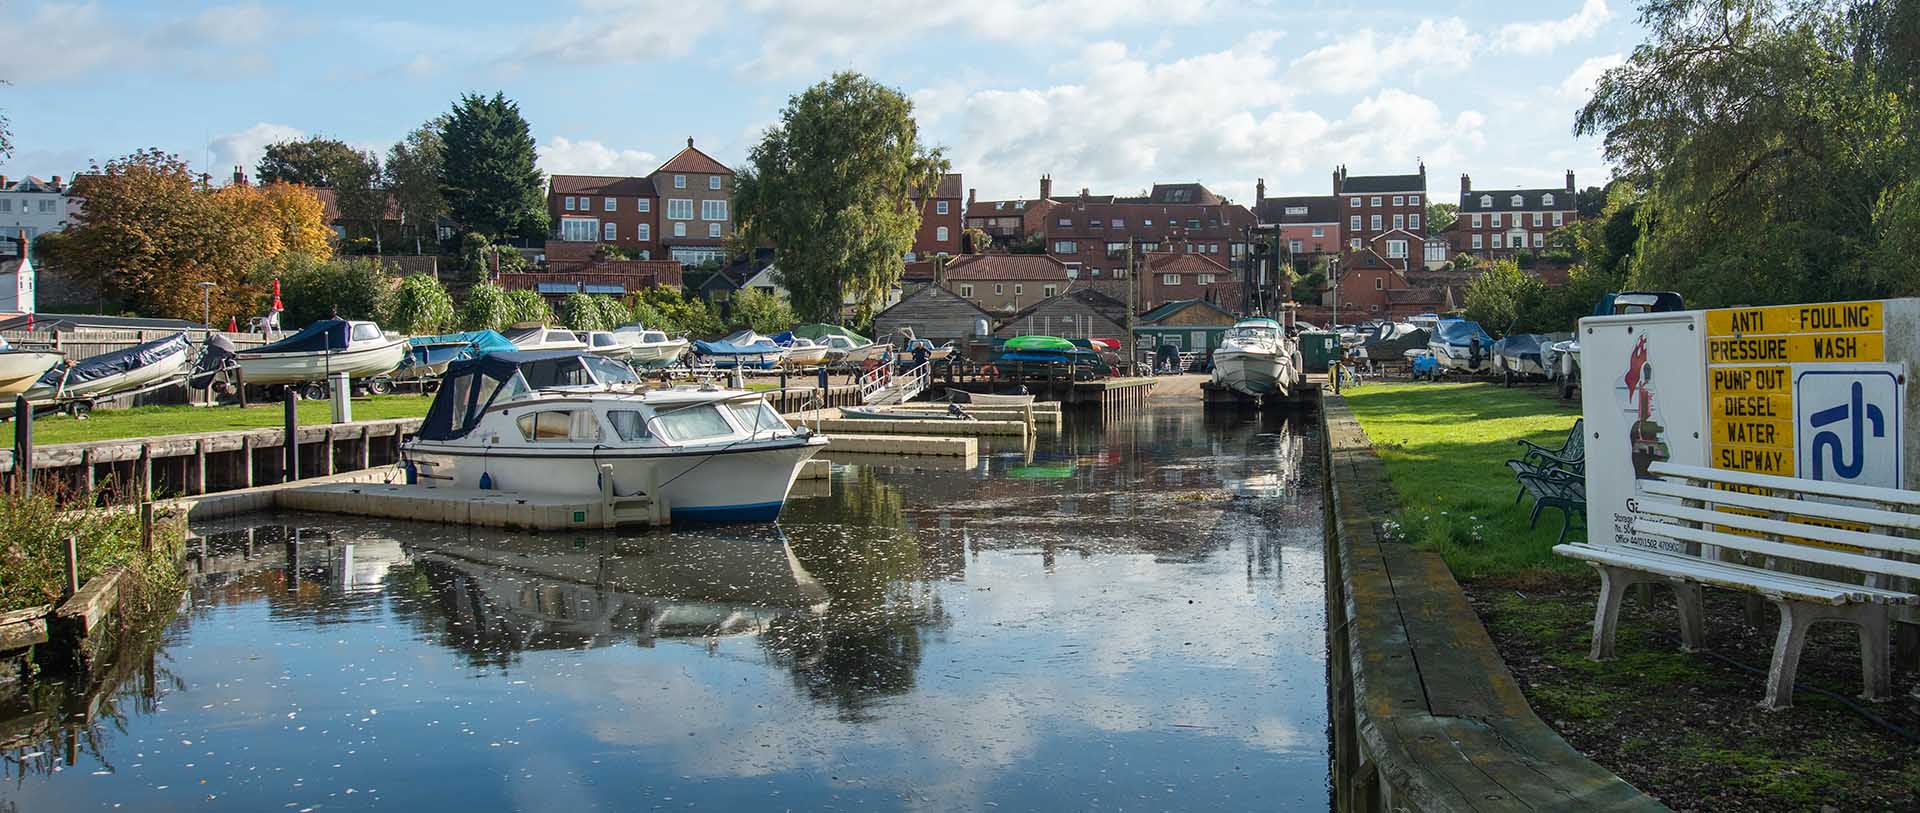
column 73, row 567
column 291, row 447
column 146, row 526
column 22, row 447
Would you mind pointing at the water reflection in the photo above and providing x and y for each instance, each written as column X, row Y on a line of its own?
column 1123, row 614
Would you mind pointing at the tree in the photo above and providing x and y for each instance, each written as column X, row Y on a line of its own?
column 413, row 176
column 6, row 133
column 1589, row 201
column 420, row 306
column 300, row 218
column 582, row 312
column 487, row 308
column 762, row 310
column 831, row 188
column 975, row 240
column 312, row 161
column 1440, row 216
column 311, row 289
column 360, row 192
column 1498, row 298
column 1770, row 140
column 487, row 172
column 664, row 308
column 529, row 306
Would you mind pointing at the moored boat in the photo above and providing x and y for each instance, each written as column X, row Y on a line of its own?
column 989, row 399
column 604, row 343
column 546, row 422
column 429, row 356
column 803, row 352
column 1458, row 344
column 952, row 413
column 745, row 349
column 324, row 348
column 536, row 336
column 1255, row 358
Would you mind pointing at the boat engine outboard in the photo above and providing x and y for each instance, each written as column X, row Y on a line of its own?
column 216, row 357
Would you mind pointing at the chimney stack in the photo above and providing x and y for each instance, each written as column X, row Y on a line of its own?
column 970, row 191
column 1466, row 185
column 239, row 176
column 56, row 183
column 1569, row 180
column 1423, row 167
column 689, row 142
column 1259, row 191
column 1046, row 186
column 3, row 182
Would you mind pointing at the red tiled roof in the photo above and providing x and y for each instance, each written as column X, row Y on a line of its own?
column 1039, row 267
column 693, row 160
column 1008, row 208
column 918, row 271
column 330, row 204
column 601, row 185
column 1183, row 263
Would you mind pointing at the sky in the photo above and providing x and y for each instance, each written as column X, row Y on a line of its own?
column 1111, row 95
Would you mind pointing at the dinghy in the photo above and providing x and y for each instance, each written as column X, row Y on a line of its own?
column 323, row 349
column 158, row 362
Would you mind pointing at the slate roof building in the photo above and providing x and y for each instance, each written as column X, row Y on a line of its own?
column 1495, row 223
column 1082, row 313
column 1005, row 283
column 681, row 211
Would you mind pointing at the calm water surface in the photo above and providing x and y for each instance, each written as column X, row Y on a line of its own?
column 1127, row 617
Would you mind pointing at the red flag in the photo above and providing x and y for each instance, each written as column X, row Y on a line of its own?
column 29, row 316
column 276, row 296
column 233, row 324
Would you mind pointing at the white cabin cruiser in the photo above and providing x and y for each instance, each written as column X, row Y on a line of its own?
column 545, row 422
column 1256, row 359
column 802, row 352
column 652, row 349
column 324, row 348
column 604, row 343
column 536, row 336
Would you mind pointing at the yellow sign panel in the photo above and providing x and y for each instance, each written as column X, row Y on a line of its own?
column 1760, row 407
column 1823, row 317
column 1757, row 459
column 1749, row 380
column 1800, row 348
column 1753, row 432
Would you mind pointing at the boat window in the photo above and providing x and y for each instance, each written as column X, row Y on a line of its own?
column 610, row 371
column 601, row 339
column 653, row 337
column 692, row 423
column 366, row 332
column 559, row 424
column 561, row 336
column 757, row 416
column 550, row 374
column 628, row 424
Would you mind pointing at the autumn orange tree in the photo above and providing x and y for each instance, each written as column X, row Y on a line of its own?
column 147, row 235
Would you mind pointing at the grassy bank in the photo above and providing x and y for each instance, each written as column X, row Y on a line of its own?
column 1445, row 447
column 142, row 422
column 33, row 554
column 1681, row 726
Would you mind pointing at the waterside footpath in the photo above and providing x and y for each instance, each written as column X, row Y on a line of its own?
column 1426, row 715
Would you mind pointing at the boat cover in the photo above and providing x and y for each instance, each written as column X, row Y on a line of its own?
column 448, row 346
column 1461, row 332
column 722, row 347
column 114, row 363
column 216, row 355
column 1392, row 340
column 1519, row 346
column 321, row 336
column 1043, row 343
column 469, row 387
column 816, row 331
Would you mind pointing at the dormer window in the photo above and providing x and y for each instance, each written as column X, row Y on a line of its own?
column 1486, row 201
column 1519, row 201
column 1547, row 199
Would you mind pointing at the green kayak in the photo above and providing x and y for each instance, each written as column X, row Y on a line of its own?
column 1045, row 343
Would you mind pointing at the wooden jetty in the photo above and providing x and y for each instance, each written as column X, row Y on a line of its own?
column 1303, row 395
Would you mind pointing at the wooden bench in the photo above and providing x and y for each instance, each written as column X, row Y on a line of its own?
column 1749, row 551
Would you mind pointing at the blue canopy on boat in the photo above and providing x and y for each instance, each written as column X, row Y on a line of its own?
column 722, row 347
column 114, row 363
column 1462, row 332
column 324, row 335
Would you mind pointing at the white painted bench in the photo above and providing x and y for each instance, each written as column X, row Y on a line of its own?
column 1677, row 510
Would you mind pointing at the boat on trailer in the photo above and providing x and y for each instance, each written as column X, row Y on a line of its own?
column 20, row 369
column 324, row 348
column 150, row 365
column 651, row 349
column 548, row 422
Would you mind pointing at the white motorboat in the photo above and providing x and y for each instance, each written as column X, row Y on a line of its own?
column 545, row 423
column 19, row 369
column 1458, row 344
column 324, row 348
column 1255, row 358
column 604, row 343
column 859, row 353
column 744, row 349
column 987, row 399
column 536, row 336
column 651, row 349
column 128, row 370
column 804, row 353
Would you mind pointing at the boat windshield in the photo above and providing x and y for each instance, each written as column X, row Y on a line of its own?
column 1261, row 333
column 653, row 337
column 610, row 371
column 757, row 417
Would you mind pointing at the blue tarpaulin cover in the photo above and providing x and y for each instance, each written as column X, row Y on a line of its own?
column 1461, row 332
column 114, row 363
column 326, row 334
column 449, row 346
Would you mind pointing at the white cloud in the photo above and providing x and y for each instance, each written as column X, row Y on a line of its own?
column 1578, row 86
column 72, row 40
column 622, row 32
column 1124, row 122
column 799, row 35
column 1541, row 37
column 244, row 148
column 1366, row 59
column 566, row 156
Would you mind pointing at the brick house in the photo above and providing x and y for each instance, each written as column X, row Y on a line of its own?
column 1089, row 233
column 942, row 217
column 1308, row 227
column 1497, row 223
column 615, row 278
column 1005, row 283
column 1008, row 221
column 1371, row 273
column 596, row 209
column 1372, row 205
column 1176, row 275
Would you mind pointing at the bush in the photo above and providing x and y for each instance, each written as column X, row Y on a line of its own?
column 665, row 308
column 33, row 554
column 313, row 289
column 582, row 313
column 761, row 310
column 529, row 306
column 487, row 308
column 421, row 306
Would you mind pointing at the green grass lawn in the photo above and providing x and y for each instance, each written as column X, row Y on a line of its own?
column 1445, row 447
column 143, row 422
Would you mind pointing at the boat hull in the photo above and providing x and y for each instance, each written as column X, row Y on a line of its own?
column 1255, row 374
column 164, row 367
column 988, row 399
column 752, row 361
column 300, row 368
column 742, row 482
column 655, row 356
column 804, row 356
column 19, row 370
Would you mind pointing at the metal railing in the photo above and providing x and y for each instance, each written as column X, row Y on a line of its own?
column 874, row 382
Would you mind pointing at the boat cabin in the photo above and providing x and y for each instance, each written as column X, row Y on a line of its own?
column 538, row 336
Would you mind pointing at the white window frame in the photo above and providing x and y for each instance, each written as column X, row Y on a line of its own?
column 610, row 204
column 1399, row 200
column 1413, row 222
column 645, row 205
column 1206, row 279
column 1379, row 283
column 679, row 181
column 1319, row 231
column 579, row 229
column 966, row 291
column 1355, row 201
column 713, row 230
column 679, row 208
column 1557, row 222
column 609, row 231
column 1169, row 279
column 1518, row 200
column 1050, row 291
column 713, row 182
column 1019, row 288
column 1539, row 240
column 1486, row 201
column 1353, row 243
column 679, row 228
column 1539, row 219
column 1399, row 221
column 1496, row 220
column 1295, row 246
column 940, row 234
column 1497, row 241
column 645, row 232
column 1373, row 201
column 1476, row 241
column 570, row 200
column 713, row 210
column 1066, row 247
column 1396, row 249
column 1476, row 221
column 1413, row 200
column 1546, row 199
column 1354, row 222
column 1374, row 222
column 940, row 207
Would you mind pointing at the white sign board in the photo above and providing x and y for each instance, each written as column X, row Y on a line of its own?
column 1848, row 422
column 1643, row 381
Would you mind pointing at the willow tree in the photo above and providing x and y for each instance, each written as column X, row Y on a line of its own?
column 831, row 188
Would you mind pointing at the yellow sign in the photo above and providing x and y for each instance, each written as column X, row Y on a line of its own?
column 1757, row 459
column 1762, row 407
column 1799, row 348
column 1753, row 432
column 1824, row 317
column 1749, row 381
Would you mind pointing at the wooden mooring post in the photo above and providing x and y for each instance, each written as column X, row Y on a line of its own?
column 292, row 444
column 73, row 566
column 22, row 447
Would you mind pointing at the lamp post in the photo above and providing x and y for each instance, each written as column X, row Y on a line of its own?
column 1333, row 279
column 206, row 304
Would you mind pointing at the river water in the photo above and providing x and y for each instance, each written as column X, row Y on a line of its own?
column 1127, row 616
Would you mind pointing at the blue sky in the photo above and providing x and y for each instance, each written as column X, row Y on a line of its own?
column 1108, row 94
